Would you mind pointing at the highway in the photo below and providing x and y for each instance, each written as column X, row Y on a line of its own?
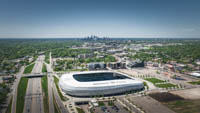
column 14, row 87
column 50, row 86
column 34, row 99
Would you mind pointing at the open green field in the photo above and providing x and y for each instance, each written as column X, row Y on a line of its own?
column 79, row 110
column 195, row 82
column 45, row 91
column 184, row 106
column 9, row 106
column 154, row 80
column 29, row 68
column 44, row 68
column 21, row 93
column 165, row 85
column 56, row 80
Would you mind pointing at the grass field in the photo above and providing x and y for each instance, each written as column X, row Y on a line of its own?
column 21, row 93
column 80, row 110
column 9, row 106
column 184, row 106
column 195, row 83
column 165, row 85
column 29, row 68
column 154, row 80
column 56, row 80
column 45, row 91
column 159, row 83
column 44, row 68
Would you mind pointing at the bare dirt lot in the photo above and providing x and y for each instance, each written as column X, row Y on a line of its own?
column 188, row 93
column 150, row 105
column 177, row 103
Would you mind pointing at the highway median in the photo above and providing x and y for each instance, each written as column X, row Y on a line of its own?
column 21, row 93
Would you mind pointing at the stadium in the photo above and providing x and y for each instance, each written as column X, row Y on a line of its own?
column 98, row 83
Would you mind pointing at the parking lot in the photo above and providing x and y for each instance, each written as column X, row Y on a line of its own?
column 106, row 107
column 115, row 108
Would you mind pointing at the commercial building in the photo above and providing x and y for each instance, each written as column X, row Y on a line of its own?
column 96, row 66
column 136, row 63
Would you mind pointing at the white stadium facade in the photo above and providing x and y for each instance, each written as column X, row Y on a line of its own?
column 93, row 83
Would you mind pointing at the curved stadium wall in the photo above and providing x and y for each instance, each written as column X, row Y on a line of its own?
column 98, row 83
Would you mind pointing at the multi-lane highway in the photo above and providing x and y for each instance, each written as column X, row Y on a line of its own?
column 34, row 99
column 15, row 85
column 50, row 86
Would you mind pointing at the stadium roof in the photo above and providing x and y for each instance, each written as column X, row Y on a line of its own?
column 71, row 81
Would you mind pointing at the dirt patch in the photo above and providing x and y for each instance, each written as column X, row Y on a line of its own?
column 165, row 97
column 188, row 93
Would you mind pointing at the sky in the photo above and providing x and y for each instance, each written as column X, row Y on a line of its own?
column 110, row 18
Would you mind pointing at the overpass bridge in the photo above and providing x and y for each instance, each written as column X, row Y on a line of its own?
column 32, row 75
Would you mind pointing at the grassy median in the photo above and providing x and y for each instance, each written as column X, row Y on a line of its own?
column 9, row 106
column 45, row 91
column 47, row 58
column 44, row 68
column 29, row 68
column 56, row 80
column 21, row 93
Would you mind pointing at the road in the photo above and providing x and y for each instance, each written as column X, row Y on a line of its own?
column 59, row 101
column 15, row 85
column 50, row 86
column 34, row 98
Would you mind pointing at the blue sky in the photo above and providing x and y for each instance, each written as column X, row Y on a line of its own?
column 112, row 18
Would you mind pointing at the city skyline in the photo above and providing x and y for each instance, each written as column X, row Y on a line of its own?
column 117, row 19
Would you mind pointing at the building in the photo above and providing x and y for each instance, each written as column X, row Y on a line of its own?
column 136, row 63
column 93, row 83
column 195, row 74
column 117, row 65
column 96, row 66
column 86, row 55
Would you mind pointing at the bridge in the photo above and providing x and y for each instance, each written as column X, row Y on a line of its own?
column 34, row 75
